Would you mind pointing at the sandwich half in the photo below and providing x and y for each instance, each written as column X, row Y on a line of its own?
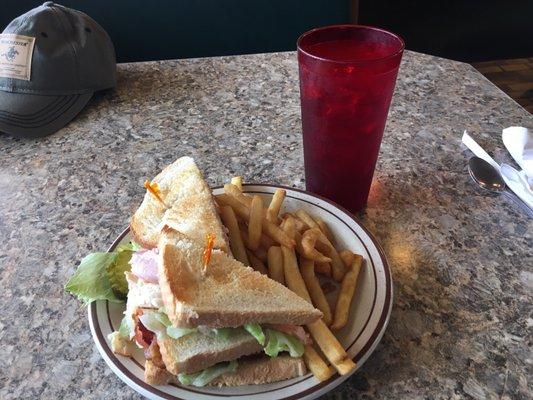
column 217, row 315
column 182, row 200
column 220, row 324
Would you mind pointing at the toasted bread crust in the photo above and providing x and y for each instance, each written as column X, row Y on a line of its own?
column 226, row 293
column 191, row 211
column 262, row 370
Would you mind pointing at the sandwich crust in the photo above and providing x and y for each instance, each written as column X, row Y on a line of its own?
column 262, row 370
column 226, row 293
column 257, row 371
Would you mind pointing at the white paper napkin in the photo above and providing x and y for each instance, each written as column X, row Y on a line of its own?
column 519, row 142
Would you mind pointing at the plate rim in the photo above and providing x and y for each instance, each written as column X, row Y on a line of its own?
column 316, row 390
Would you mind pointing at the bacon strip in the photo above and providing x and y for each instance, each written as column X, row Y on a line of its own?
column 143, row 336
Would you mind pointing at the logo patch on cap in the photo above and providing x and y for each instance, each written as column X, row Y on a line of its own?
column 16, row 52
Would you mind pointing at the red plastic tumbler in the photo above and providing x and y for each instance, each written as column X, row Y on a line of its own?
column 347, row 77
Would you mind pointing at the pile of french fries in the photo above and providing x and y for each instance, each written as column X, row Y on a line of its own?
column 291, row 249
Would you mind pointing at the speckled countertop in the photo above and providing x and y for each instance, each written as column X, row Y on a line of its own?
column 462, row 261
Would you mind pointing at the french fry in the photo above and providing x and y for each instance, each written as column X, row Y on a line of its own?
column 298, row 240
column 307, row 269
column 232, row 190
column 275, row 205
column 345, row 366
column 275, row 264
column 323, row 268
column 346, row 293
column 327, row 342
column 316, row 364
column 235, row 239
column 300, row 225
column 347, row 258
column 256, row 263
column 338, row 268
column 289, row 227
column 270, row 229
column 324, row 228
column 260, row 252
column 237, row 181
column 293, row 278
column 255, row 222
column 306, row 218
column 309, row 239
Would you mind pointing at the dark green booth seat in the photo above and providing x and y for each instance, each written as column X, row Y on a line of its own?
column 166, row 29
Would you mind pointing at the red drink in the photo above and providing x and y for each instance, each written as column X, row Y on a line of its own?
column 347, row 77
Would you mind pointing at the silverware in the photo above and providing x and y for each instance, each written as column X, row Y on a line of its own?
column 489, row 178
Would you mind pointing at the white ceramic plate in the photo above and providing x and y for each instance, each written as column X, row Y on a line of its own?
column 369, row 316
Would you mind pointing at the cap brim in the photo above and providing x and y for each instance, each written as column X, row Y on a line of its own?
column 30, row 115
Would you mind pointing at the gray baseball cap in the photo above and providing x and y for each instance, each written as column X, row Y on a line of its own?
column 52, row 60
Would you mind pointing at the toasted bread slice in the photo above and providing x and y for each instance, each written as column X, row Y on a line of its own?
column 196, row 351
column 255, row 371
column 226, row 293
column 191, row 209
column 262, row 370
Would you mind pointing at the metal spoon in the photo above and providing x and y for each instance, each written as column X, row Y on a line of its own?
column 489, row 178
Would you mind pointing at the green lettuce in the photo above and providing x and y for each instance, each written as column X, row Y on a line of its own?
column 152, row 323
column 115, row 273
column 159, row 323
column 279, row 341
column 224, row 333
column 134, row 246
column 176, row 333
column 202, row 378
column 257, row 332
column 100, row 276
column 127, row 327
column 90, row 281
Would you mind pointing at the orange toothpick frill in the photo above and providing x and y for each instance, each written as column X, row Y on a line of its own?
column 209, row 244
column 153, row 188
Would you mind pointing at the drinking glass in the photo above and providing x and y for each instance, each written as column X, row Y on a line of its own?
column 347, row 77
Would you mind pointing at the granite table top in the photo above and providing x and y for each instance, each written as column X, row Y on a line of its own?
column 461, row 260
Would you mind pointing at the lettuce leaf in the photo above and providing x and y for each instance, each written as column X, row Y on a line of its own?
column 100, row 276
column 152, row 323
column 257, row 332
column 279, row 341
column 115, row 273
column 223, row 333
column 202, row 378
column 127, row 327
column 90, row 281
column 176, row 333
column 134, row 246
column 159, row 323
